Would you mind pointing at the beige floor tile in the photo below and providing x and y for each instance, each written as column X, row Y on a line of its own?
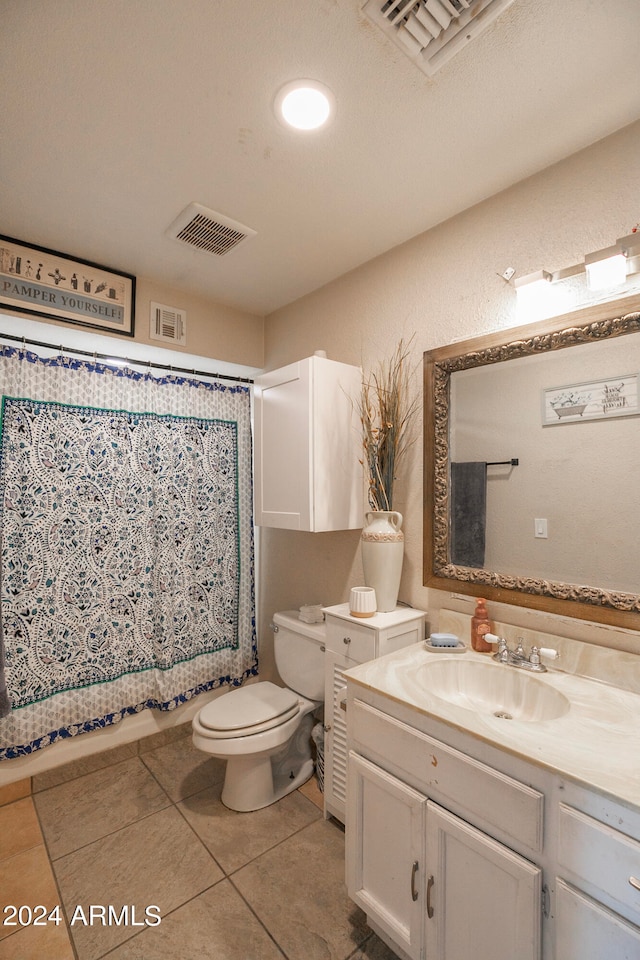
column 374, row 949
column 15, row 791
column 312, row 791
column 233, row 838
column 182, row 770
column 26, row 879
column 19, row 828
column 79, row 768
column 164, row 737
column 80, row 811
column 156, row 861
column 297, row 890
column 38, row 943
column 218, row 924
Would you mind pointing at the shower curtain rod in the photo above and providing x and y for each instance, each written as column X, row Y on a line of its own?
column 129, row 360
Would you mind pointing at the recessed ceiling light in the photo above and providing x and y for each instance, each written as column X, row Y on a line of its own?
column 304, row 104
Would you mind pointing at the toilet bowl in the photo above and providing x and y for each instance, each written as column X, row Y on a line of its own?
column 262, row 730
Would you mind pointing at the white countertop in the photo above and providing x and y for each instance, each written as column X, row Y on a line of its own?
column 379, row 621
column 596, row 743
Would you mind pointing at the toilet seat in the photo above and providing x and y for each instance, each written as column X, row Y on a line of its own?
column 249, row 710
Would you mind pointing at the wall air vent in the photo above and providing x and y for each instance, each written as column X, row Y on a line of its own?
column 430, row 32
column 167, row 324
column 209, row 231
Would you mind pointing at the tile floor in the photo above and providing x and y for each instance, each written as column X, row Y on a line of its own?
column 143, row 826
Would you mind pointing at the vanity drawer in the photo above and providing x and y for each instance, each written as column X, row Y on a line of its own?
column 350, row 639
column 599, row 859
column 511, row 811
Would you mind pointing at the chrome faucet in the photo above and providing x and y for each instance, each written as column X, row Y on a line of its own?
column 518, row 658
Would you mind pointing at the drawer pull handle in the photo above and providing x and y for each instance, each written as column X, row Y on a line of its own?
column 414, row 870
column 430, row 883
column 634, row 883
column 346, row 639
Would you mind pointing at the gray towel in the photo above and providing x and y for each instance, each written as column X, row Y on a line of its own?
column 468, row 513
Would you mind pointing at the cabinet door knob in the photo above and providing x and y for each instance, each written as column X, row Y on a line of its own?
column 634, row 883
column 414, row 870
column 346, row 639
column 430, row 883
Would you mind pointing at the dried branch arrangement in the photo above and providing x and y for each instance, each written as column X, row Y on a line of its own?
column 386, row 412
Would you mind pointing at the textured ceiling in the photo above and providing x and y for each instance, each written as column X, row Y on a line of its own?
column 116, row 115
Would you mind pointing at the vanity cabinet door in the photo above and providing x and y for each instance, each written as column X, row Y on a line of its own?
column 483, row 900
column 385, row 854
column 587, row 930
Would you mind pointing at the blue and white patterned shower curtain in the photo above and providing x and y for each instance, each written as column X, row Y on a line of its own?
column 127, row 568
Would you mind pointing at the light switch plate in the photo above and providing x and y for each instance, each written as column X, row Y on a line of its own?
column 540, row 528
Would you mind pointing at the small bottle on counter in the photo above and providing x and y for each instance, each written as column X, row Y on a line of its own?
column 480, row 625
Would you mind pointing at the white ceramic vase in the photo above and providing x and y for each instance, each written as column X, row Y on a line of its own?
column 382, row 544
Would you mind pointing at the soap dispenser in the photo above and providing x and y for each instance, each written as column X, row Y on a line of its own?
column 480, row 625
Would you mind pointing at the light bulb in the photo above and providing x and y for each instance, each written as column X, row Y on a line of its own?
column 304, row 104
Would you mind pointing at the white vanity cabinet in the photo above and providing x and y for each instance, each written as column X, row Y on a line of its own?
column 459, row 849
column 308, row 474
column 349, row 641
column 433, row 884
column 598, row 885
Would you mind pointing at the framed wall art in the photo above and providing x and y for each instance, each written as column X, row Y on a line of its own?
column 45, row 283
column 596, row 400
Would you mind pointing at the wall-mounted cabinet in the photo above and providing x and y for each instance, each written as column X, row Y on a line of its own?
column 308, row 474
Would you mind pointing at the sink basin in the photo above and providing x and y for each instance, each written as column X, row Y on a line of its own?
column 491, row 688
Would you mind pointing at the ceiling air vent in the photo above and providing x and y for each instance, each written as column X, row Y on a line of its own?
column 209, row 231
column 430, row 32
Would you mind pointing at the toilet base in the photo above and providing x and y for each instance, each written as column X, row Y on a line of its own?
column 252, row 783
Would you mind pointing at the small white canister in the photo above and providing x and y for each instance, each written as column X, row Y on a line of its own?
column 362, row 602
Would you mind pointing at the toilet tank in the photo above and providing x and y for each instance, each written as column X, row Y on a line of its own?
column 299, row 654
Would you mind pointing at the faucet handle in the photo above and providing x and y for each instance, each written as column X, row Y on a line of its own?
column 502, row 653
column 538, row 652
column 549, row 653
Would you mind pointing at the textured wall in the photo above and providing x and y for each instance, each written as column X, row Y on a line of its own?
column 442, row 286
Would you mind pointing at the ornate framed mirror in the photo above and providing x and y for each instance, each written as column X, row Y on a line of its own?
column 559, row 487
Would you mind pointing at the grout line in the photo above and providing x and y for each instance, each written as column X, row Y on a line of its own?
column 170, row 802
column 259, row 920
column 54, row 876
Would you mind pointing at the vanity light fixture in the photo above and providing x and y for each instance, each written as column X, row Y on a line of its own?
column 304, row 104
column 606, row 268
column 533, row 281
column 534, row 292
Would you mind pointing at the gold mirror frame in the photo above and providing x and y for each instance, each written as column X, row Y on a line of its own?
column 589, row 325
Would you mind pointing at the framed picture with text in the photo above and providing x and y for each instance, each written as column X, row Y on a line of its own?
column 45, row 283
column 595, row 400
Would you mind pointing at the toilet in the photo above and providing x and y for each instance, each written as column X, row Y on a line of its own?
column 262, row 730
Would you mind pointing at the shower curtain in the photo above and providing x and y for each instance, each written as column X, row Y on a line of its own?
column 126, row 566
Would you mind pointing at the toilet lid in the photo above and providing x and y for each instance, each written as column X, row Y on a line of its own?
column 259, row 705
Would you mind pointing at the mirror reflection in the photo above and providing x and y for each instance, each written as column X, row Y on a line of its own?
column 533, row 448
column 568, row 510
